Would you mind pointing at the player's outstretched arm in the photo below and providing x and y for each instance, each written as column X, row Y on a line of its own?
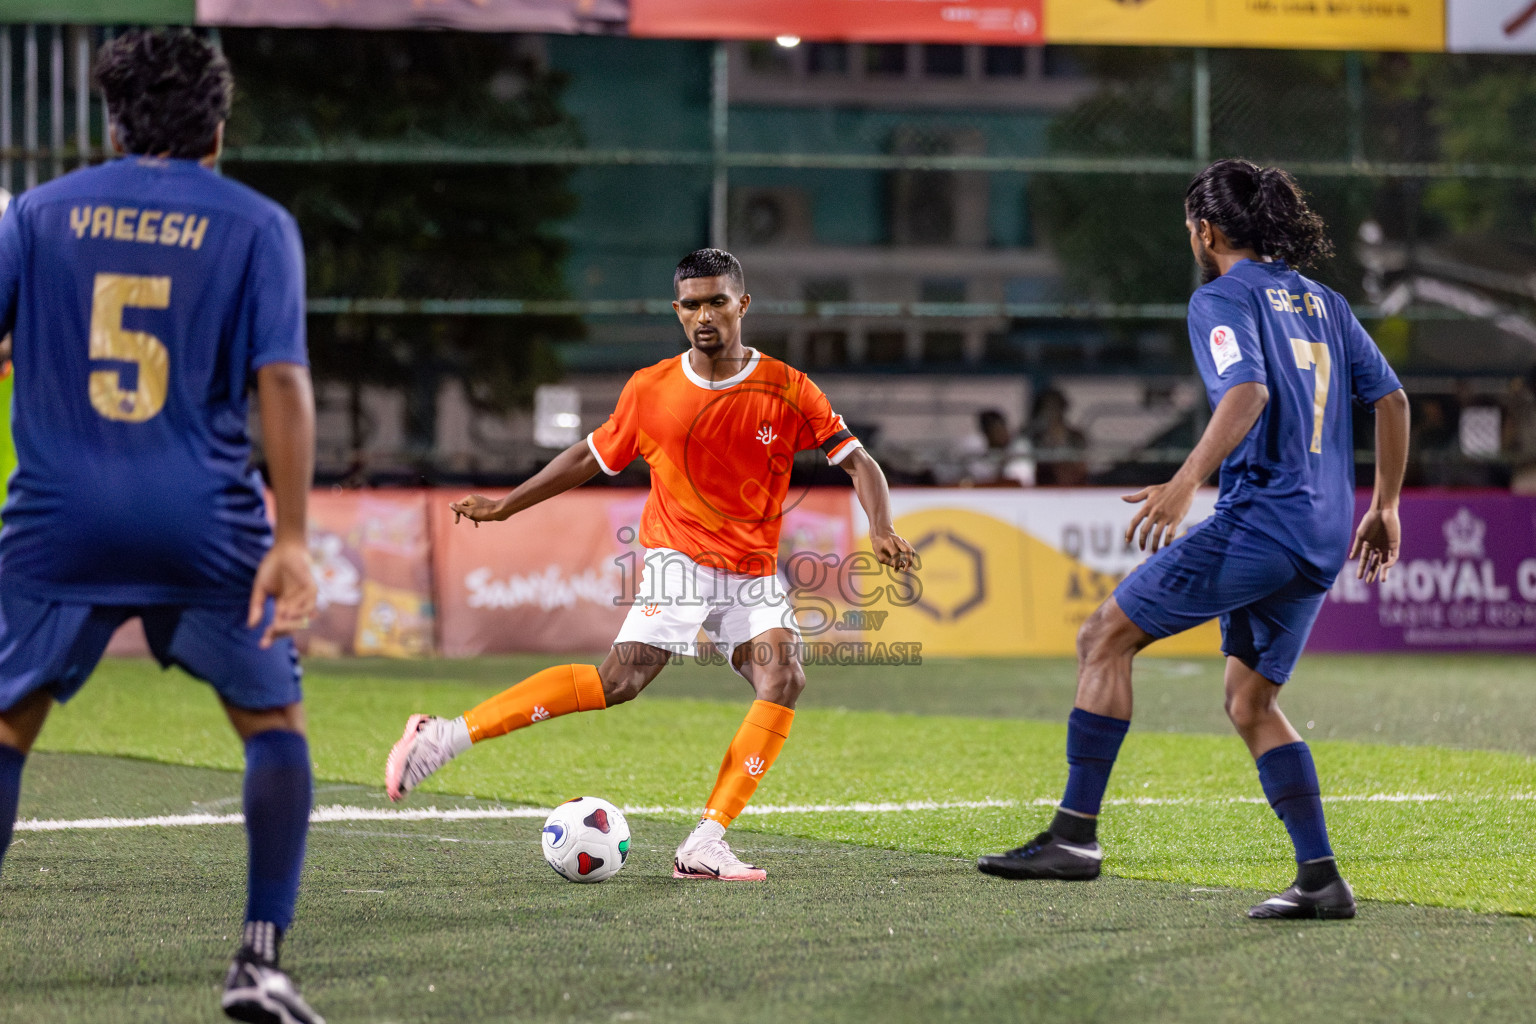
column 571, row 468
column 1167, row 504
column 1380, row 534
column 869, row 484
column 286, row 399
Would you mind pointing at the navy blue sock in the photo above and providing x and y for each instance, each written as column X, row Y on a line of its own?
column 1290, row 783
column 11, row 762
column 1093, row 743
column 278, row 789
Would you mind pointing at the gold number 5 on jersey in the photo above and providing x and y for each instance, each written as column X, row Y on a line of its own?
column 112, row 294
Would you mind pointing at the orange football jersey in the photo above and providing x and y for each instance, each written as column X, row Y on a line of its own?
column 720, row 454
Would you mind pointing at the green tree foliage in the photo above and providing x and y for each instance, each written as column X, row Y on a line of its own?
column 415, row 230
column 1477, row 109
column 1121, row 238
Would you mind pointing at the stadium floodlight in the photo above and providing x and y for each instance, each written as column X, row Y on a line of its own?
column 788, row 42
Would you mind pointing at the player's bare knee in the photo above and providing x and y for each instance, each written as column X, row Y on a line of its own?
column 1248, row 709
column 1102, row 636
column 628, row 669
column 623, row 684
column 1250, row 698
column 1087, row 639
column 1088, row 635
column 780, row 684
column 248, row 723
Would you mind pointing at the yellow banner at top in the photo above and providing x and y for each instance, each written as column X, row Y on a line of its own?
column 1277, row 24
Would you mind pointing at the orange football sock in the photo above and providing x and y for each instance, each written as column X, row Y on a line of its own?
column 751, row 754
column 555, row 691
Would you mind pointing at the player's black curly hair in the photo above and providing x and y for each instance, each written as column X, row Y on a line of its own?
column 709, row 263
column 1258, row 208
column 166, row 91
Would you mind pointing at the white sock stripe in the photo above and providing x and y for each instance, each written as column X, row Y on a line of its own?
column 261, row 938
column 334, row 813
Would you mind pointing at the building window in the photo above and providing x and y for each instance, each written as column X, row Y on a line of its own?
column 1004, row 62
column 826, row 348
column 885, row 59
column 927, row 207
column 775, row 345
column 885, row 348
column 924, row 208
column 943, row 347
column 942, row 289
column 1004, row 350
column 944, row 61
column 1062, row 62
column 826, row 289
column 826, row 58
column 768, row 59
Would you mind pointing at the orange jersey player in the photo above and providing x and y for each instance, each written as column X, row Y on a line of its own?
column 719, row 427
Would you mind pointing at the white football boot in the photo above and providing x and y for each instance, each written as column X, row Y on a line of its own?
column 427, row 744
column 711, row 858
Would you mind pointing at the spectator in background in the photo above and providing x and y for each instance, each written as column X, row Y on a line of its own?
column 1519, row 440
column 1433, row 444
column 1062, row 447
column 994, row 427
column 1004, row 460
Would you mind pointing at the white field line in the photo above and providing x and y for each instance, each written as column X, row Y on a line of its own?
column 337, row 812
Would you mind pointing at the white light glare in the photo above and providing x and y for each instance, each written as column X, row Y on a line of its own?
column 788, row 42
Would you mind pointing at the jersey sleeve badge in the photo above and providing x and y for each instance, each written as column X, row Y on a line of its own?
column 1224, row 350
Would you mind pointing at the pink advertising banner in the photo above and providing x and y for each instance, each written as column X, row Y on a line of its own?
column 559, row 576
column 1466, row 581
column 568, row 16
column 373, row 575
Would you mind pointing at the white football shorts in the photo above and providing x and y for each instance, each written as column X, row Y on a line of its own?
column 678, row 597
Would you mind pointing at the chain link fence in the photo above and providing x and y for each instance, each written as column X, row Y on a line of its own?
column 485, row 214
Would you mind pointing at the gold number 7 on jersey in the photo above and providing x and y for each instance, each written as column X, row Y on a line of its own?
column 112, row 293
column 1314, row 355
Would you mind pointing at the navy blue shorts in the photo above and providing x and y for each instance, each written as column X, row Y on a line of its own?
column 1251, row 582
column 55, row 645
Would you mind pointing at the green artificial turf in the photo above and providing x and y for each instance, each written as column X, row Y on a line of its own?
column 455, row 921
column 1477, row 702
column 1446, row 827
column 866, row 916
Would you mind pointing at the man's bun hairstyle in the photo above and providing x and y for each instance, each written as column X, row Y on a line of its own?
column 166, row 91
column 1258, row 208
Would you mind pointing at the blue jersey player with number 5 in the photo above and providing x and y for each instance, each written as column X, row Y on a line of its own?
column 1282, row 358
column 146, row 297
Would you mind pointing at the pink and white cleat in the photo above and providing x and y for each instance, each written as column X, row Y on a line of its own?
column 711, row 858
column 427, row 745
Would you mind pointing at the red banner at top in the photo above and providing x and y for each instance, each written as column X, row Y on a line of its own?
column 927, row 21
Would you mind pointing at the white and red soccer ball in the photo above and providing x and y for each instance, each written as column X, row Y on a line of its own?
column 586, row 840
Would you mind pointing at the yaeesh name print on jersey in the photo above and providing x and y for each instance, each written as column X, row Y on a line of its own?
column 130, row 224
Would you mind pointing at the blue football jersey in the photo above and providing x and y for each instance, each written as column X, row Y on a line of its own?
column 1293, row 476
column 143, row 295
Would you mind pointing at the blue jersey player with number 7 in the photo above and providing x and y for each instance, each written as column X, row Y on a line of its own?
column 146, row 297
column 1282, row 358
